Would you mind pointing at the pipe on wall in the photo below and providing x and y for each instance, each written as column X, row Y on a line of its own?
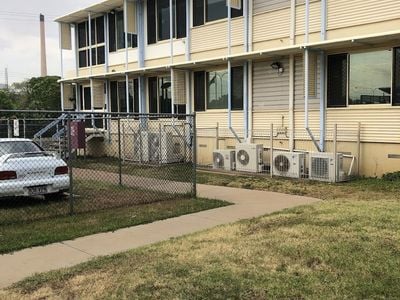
column 322, row 106
column 141, row 33
column 107, row 42
column 291, row 101
column 90, row 42
column 126, row 34
column 127, row 93
column 188, row 32
column 76, row 50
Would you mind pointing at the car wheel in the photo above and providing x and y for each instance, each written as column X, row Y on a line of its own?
column 54, row 196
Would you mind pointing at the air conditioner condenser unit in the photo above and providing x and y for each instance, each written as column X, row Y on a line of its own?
column 224, row 160
column 324, row 166
column 249, row 157
column 288, row 164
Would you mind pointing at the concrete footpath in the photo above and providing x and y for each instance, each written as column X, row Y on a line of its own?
column 247, row 204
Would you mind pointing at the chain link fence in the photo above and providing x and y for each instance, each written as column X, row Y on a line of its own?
column 277, row 151
column 64, row 163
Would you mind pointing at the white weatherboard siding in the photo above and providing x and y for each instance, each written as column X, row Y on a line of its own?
column 267, row 5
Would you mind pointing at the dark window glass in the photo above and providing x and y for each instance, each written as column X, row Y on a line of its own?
column 83, row 59
column 82, row 35
column 132, row 40
column 199, row 91
column 153, row 95
column 198, row 12
column 120, row 30
column 396, row 77
column 122, row 96
column 111, row 31
column 131, row 96
column 237, row 12
column 180, row 18
column 94, row 56
column 151, row 22
column 163, row 19
column 87, row 98
column 337, row 80
column 101, row 55
column 93, row 31
column 18, row 147
column 136, row 95
column 216, row 10
column 100, row 30
column 165, row 95
column 217, row 89
column 237, row 88
column 370, row 77
column 114, row 96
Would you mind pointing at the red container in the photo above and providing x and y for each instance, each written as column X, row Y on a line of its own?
column 78, row 136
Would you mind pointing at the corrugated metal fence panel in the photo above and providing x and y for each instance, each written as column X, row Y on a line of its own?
column 345, row 13
column 215, row 35
column 315, row 17
column 299, row 85
column 271, row 25
column 267, row 5
column 270, row 89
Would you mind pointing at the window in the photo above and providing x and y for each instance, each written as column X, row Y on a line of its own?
column 237, row 88
column 370, row 76
column 96, row 42
column 337, row 80
column 200, row 91
column 158, row 20
column 116, row 31
column 212, row 10
column 118, row 96
column 160, row 96
column 361, row 78
column 396, row 77
column 86, row 98
column 217, row 90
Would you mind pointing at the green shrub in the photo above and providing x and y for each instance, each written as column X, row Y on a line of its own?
column 395, row 176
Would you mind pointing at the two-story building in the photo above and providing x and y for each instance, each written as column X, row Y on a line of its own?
column 304, row 66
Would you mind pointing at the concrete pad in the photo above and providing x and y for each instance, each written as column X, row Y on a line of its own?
column 247, row 204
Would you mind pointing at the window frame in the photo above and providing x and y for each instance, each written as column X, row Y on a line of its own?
column 203, row 19
column 205, row 92
column 371, row 105
column 132, row 37
column 132, row 93
column 91, row 47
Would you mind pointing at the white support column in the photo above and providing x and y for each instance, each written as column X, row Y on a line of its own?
column 188, row 32
column 291, row 101
column 90, row 42
column 127, row 92
column 172, row 91
column 171, row 31
column 126, row 34
column 107, row 42
column 188, row 84
column 61, row 50
column 62, row 95
column 76, row 50
column 78, row 97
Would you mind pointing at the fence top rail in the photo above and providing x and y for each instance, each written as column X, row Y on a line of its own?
column 118, row 114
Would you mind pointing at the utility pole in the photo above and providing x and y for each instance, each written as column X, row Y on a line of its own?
column 6, row 77
column 43, row 62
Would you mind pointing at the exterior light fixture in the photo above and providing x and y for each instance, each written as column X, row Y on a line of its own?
column 278, row 66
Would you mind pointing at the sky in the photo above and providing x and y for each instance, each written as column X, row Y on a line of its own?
column 19, row 36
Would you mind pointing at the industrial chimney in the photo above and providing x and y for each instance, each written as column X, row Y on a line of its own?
column 43, row 62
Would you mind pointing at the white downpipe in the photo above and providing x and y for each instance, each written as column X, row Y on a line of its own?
column 171, row 31
column 107, row 42
column 172, row 91
column 250, row 103
column 126, row 34
column 188, row 33
column 62, row 66
column 245, row 101
column 230, row 73
column 127, row 93
column 78, row 97
column 90, row 42
column 306, row 76
column 76, row 50
column 92, row 101
column 62, row 95
column 322, row 108
column 291, row 101
column 292, row 33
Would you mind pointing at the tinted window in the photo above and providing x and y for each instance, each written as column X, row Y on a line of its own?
column 216, row 9
column 199, row 91
column 370, row 77
column 165, row 95
column 396, row 77
column 180, row 18
column 151, row 22
column 337, row 80
column 82, row 35
column 217, row 90
column 153, row 95
column 18, row 147
column 198, row 12
column 114, row 96
column 101, row 55
column 82, row 59
column 120, row 30
column 163, row 19
column 111, row 31
column 100, row 30
column 122, row 96
column 237, row 88
column 136, row 95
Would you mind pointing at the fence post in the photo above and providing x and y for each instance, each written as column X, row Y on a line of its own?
column 335, row 150
column 70, row 170
column 271, row 138
column 194, row 155
column 217, row 135
column 119, row 152
column 9, row 132
column 358, row 148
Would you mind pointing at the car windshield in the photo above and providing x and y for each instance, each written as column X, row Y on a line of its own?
column 14, row 147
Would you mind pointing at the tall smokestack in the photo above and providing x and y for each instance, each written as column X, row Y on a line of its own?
column 43, row 62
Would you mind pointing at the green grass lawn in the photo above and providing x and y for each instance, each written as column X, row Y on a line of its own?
column 347, row 246
column 98, row 207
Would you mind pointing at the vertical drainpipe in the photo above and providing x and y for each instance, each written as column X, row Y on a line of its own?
column 126, row 55
column 171, row 44
column 76, row 50
column 322, row 109
column 188, row 33
column 141, row 60
column 250, row 72
column 61, row 66
column 90, row 43
column 245, row 71
column 292, row 75
column 107, row 43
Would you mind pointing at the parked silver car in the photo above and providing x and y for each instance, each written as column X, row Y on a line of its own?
column 27, row 170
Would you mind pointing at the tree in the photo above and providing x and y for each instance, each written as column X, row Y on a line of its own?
column 43, row 93
column 6, row 100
